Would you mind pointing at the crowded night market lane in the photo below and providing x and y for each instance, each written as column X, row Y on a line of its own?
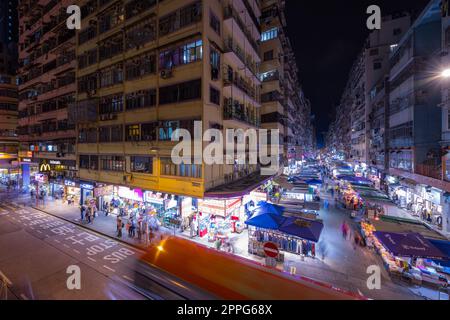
column 343, row 266
column 42, row 247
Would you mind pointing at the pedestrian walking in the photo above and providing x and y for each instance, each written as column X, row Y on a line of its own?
column 88, row 216
column 133, row 228
column 82, row 212
column 119, row 226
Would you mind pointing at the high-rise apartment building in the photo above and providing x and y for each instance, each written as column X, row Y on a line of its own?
column 47, row 85
column 284, row 106
column 9, row 170
column 147, row 68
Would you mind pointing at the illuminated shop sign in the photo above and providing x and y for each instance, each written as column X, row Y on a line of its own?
column 69, row 183
column 44, row 167
column 131, row 194
column 55, row 162
column 154, row 197
column 42, row 178
column 86, row 186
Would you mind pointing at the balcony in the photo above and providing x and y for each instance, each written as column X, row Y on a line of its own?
column 233, row 110
column 229, row 15
column 240, row 59
column 233, row 79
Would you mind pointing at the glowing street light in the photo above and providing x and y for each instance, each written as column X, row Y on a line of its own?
column 446, row 73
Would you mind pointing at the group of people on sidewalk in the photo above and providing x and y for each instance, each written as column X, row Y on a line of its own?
column 87, row 213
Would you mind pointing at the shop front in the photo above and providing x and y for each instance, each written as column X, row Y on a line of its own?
column 87, row 192
column 433, row 208
column 218, row 218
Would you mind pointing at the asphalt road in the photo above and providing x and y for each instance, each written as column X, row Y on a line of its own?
column 36, row 250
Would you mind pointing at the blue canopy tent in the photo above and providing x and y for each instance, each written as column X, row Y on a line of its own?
column 444, row 247
column 302, row 228
column 411, row 245
column 266, row 207
column 266, row 221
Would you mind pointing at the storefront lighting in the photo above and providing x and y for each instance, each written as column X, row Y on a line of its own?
column 160, row 248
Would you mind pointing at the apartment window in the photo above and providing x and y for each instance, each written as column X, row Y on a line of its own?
column 111, row 104
column 215, row 63
column 214, row 95
column 117, row 133
column 180, row 19
column 269, row 75
column 110, row 47
column 110, row 19
column 140, row 66
column 141, row 99
column 84, row 162
column 136, row 7
column 167, row 129
column 179, row 55
column 141, row 33
column 104, row 134
column 142, row 164
column 87, row 135
column 214, row 22
column 87, row 59
column 87, row 83
column 148, row 131
column 111, row 76
column 180, row 92
column 133, row 132
column 112, row 163
column 88, row 162
column 269, row 34
column 268, row 55
column 168, row 168
column 87, row 34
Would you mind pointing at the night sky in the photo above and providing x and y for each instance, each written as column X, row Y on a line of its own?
column 327, row 37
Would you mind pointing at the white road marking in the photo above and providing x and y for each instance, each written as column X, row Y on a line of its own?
column 56, row 240
column 65, row 245
column 128, row 278
column 2, row 275
column 111, row 269
column 92, row 259
column 39, row 231
column 24, row 297
column 32, row 228
column 76, row 251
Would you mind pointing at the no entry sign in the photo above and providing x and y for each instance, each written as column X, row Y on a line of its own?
column 271, row 249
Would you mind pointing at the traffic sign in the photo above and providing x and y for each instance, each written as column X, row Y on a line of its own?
column 271, row 249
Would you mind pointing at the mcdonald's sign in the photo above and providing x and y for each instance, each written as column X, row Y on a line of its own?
column 44, row 167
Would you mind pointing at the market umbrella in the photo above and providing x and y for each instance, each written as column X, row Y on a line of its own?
column 266, row 221
column 302, row 228
column 412, row 245
column 346, row 177
column 266, row 207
